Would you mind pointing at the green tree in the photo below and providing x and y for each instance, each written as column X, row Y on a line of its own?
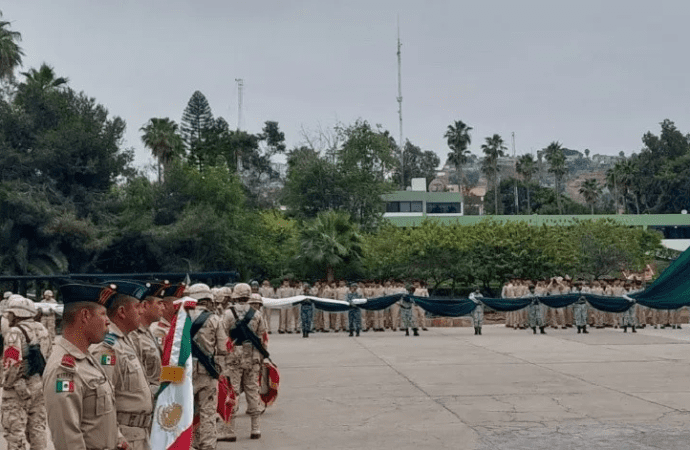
column 273, row 137
column 591, row 191
column 10, row 52
column 527, row 167
column 418, row 164
column 459, row 139
column 329, row 242
column 43, row 79
column 493, row 148
column 197, row 118
column 556, row 159
column 160, row 135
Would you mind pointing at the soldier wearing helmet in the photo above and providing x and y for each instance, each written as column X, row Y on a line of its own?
column 267, row 291
column 245, row 360
column 255, row 301
column 48, row 315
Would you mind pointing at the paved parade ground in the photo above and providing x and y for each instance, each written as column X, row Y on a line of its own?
column 503, row 390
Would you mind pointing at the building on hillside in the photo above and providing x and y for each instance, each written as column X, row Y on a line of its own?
column 418, row 203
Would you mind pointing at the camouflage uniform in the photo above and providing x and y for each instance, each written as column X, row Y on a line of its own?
column 536, row 315
column 48, row 317
column 580, row 313
column 478, row 312
column 149, row 352
column 23, row 404
column 406, row 315
column 133, row 399
column 419, row 312
column 354, row 314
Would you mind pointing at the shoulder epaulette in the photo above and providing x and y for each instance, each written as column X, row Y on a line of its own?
column 68, row 363
column 110, row 339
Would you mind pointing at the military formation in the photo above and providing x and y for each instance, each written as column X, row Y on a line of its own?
column 306, row 319
column 94, row 384
column 539, row 317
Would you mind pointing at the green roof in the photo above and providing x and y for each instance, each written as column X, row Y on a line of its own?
column 535, row 219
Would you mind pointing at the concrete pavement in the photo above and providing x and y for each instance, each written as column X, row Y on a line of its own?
column 506, row 389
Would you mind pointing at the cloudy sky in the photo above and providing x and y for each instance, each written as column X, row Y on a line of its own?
column 591, row 74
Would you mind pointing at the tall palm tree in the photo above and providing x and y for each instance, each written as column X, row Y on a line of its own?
column 329, row 240
column 459, row 139
column 556, row 159
column 10, row 52
column 161, row 137
column 613, row 182
column 629, row 174
column 527, row 167
column 591, row 191
column 493, row 149
column 43, row 79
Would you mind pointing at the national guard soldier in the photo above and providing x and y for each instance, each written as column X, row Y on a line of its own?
column 23, row 405
column 267, row 291
column 420, row 291
column 354, row 314
column 379, row 325
column 247, row 329
column 211, row 342
column 629, row 318
column 478, row 311
column 406, row 315
column 79, row 396
column 48, row 317
column 580, row 311
column 536, row 312
column 146, row 345
column 306, row 312
column 120, row 361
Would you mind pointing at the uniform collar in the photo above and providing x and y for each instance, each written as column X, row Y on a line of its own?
column 70, row 348
column 115, row 330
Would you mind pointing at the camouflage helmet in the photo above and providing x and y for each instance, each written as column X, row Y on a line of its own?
column 48, row 293
column 256, row 299
column 241, row 290
column 21, row 307
column 199, row 291
column 254, row 283
column 225, row 291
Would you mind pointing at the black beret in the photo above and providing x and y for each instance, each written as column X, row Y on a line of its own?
column 156, row 288
column 101, row 294
column 174, row 290
column 131, row 288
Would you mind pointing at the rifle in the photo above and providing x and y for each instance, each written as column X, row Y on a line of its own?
column 204, row 358
column 242, row 333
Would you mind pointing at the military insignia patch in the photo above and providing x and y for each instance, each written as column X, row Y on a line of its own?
column 68, row 362
column 106, row 293
column 64, row 386
column 110, row 339
column 11, row 355
column 107, row 359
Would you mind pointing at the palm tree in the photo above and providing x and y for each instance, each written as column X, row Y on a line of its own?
column 161, row 137
column 556, row 159
column 43, row 79
column 10, row 52
column 459, row 139
column 330, row 240
column 591, row 191
column 527, row 167
column 613, row 179
column 493, row 149
column 629, row 174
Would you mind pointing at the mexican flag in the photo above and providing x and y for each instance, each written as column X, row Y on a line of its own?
column 174, row 410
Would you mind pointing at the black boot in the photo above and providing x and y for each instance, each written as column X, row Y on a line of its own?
column 625, row 329
column 633, row 328
column 534, row 330
column 304, row 334
column 584, row 329
column 579, row 330
column 480, row 330
column 407, row 331
column 357, row 333
column 541, row 330
column 414, row 330
column 351, row 333
column 476, row 331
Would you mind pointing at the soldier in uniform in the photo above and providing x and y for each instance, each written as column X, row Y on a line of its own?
column 267, row 291
column 406, row 315
column 48, row 317
column 378, row 291
column 419, row 313
column 245, row 360
column 478, row 311
column 79, row 396
column 146, row 345
column 536, row 312
column 120, row 361
column 354, row 314
column 23, row 406
column 284, row 291
column 306, row 312
column 580, row 311
column 212, row 340
column 160, row 328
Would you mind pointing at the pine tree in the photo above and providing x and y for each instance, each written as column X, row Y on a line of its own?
column 196, row 118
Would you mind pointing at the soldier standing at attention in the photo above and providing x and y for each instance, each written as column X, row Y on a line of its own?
column 419, row 313
column 267, row 291
column 145, row 344
column 79, row 396
column 284, row 291
column 406, row 315
column 119, row 360
column 354, row 314
column 536, row 312
column 23, row 405
column 48, row 317
column 306, row 312
column 478, row 312
column 580, row 310
column 245, row 359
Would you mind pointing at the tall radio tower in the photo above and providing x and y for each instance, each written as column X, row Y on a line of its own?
column 400, row 143
column 240, row 88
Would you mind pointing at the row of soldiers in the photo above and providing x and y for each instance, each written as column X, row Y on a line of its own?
column 289, row 319
column 636, row 317
column 96, row 390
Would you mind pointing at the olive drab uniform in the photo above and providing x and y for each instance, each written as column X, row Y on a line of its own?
column 79, row 400
column 244, row 362
column 133, row 400
column 149, row 351
column 23, row 404
column 213, row 340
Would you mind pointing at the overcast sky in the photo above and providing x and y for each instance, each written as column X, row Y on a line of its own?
column 591, row 74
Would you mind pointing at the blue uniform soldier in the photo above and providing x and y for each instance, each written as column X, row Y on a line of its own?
column 354, row 315
column 306, row 312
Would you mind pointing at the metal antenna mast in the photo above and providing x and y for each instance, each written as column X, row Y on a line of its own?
column 400, row 143
column 240, row 88
column 517, row 208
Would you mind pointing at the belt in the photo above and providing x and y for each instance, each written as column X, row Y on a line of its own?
column 138, row 420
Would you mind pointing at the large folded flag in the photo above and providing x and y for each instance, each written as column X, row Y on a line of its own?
column 174, row 411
